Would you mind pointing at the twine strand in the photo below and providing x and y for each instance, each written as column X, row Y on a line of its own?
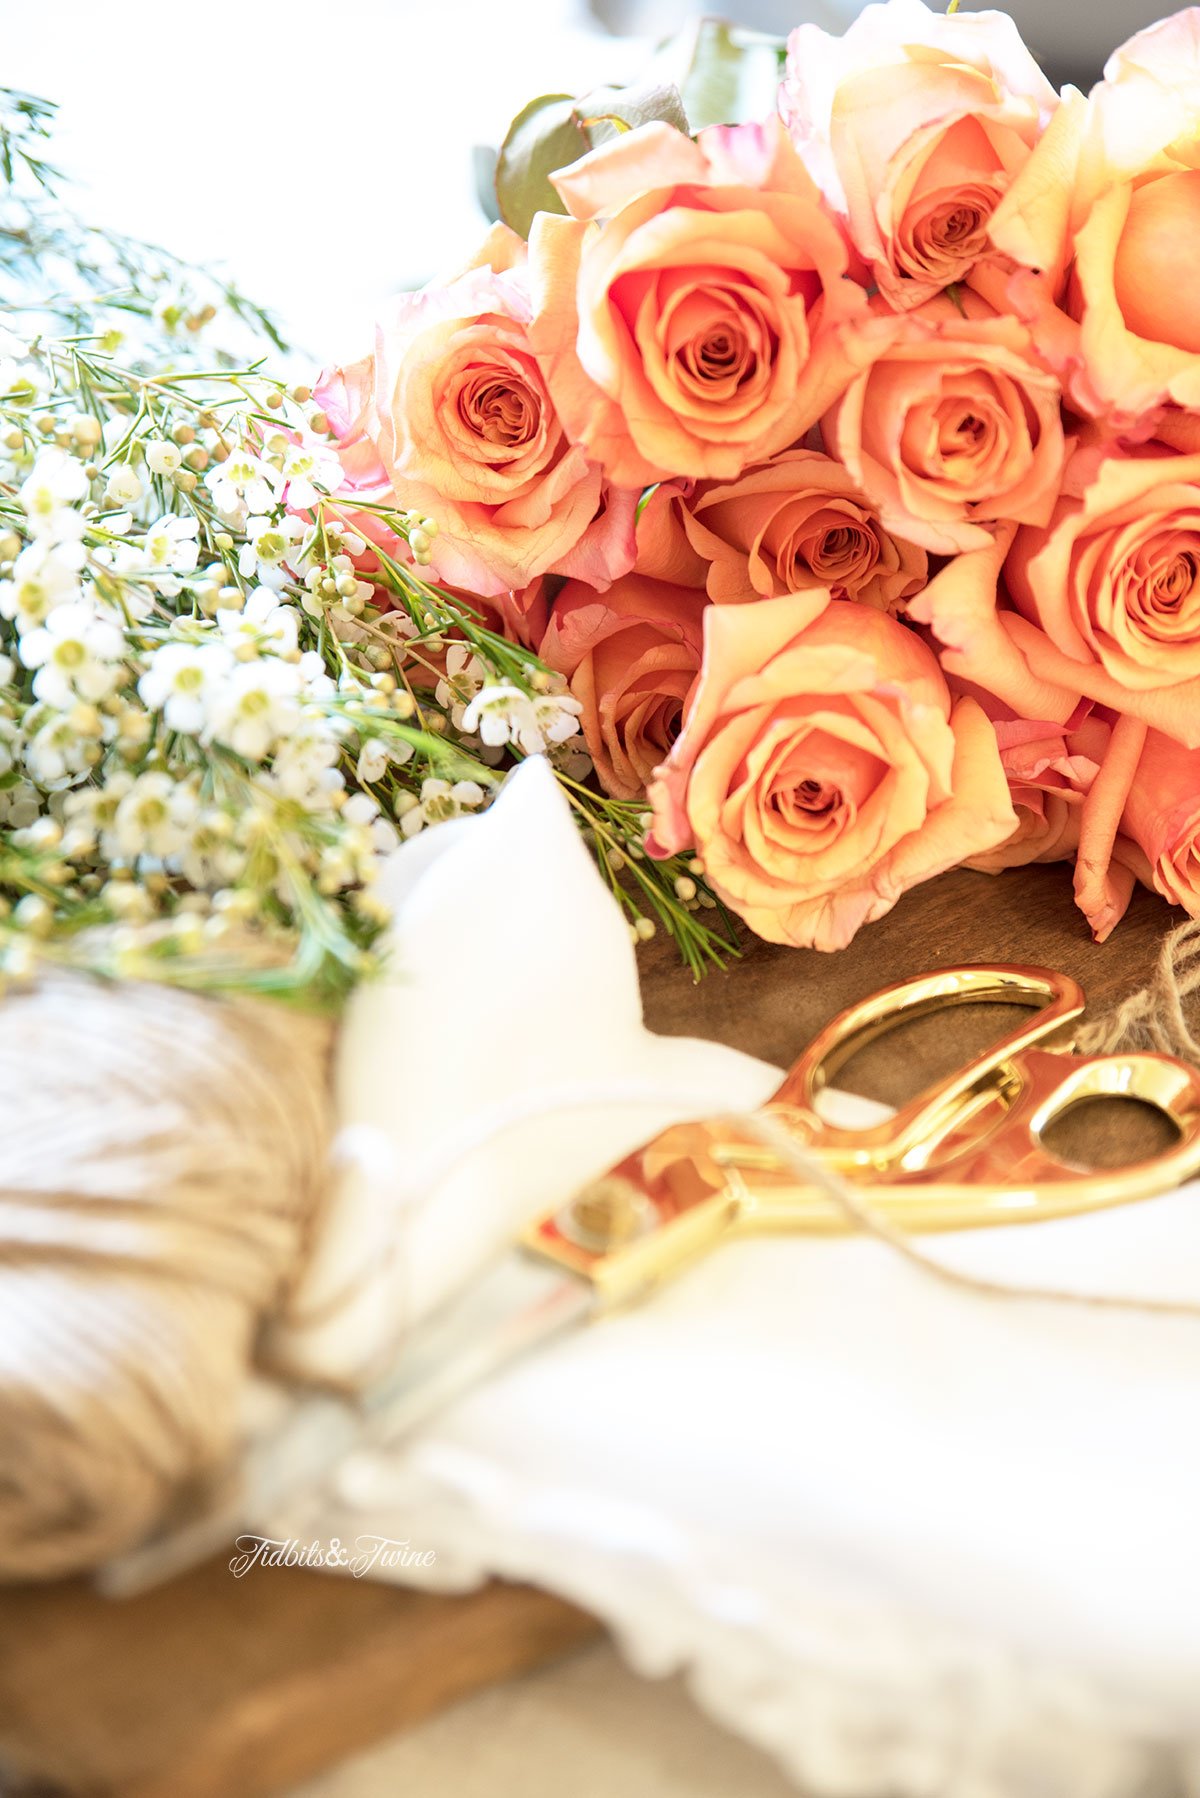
column 1154, row 1017
column 858, row 1209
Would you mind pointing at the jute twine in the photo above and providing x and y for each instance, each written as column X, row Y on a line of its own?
column 162, row 1155
column 1155, row 1017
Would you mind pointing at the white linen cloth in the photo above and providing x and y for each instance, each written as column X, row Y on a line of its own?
column 911, row 1541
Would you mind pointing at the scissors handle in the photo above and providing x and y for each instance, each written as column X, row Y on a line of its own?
column 967, row 1151
column 913, row 1137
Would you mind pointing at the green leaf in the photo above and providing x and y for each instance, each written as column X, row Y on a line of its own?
column 727, row 75
column 545, row 136
column 556, row 130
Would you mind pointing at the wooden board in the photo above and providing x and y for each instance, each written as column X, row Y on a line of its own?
column 775, row 999
column 220, row 1688
column 215, row 1687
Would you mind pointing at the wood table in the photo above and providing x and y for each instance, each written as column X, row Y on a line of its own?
column 213, row 1687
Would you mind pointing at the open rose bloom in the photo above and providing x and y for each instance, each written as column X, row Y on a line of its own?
column 843, row 466
column 824, row 768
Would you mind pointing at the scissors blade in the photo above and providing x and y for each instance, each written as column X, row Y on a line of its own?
column 516, row 1306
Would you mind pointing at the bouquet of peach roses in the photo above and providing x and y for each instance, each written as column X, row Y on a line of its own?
column 845, row 462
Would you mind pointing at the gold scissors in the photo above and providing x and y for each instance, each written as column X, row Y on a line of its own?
column 968, row 1151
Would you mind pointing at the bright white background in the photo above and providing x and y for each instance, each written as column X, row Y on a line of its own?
column 319, row 149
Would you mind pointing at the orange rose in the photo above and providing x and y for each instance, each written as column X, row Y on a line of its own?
column 915, row 124
column 459, row 418
column 794, row 522
column 631, row 656
column 1115, row 576
column 952, row 425
column 989, row 646
column 823, row 770
column 695, row 331
column 1050, row 769
column 1116, row 187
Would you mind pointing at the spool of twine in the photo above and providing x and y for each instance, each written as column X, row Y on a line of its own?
column 162, row 1156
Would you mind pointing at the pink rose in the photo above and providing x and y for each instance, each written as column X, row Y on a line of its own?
column 687, row 311
column 632, row 656
column 823, row 768
column 915, row 124
column 459, row 420
column 524, row 614
column 664, row 549
column 345, row 396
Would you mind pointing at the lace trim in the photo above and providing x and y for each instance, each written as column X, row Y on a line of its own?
column 855, row 1698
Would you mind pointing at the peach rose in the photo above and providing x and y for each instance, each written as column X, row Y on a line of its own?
column 1141, row 817
column 1050, row 769
column 794, row 522
column 460, row 421
column 1115, row 576
column 344, row 395
column 1105, row 219
column 632, row 656
column 952, row 425
column 823, row 769
column 664, row 550
column 915, row 124
column 988, row 645
column 1162, row 819
column 525, row 613
column 696, row 330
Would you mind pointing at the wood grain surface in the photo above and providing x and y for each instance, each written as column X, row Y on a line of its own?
column 775, row 999
column 213, row 1687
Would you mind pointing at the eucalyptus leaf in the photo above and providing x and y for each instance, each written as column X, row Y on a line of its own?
column 546, row 135
column 556, row 130
column 726, row 74
column 638, row 104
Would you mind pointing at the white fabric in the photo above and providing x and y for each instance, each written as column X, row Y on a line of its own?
column 910, row 1541
column 510, row 1007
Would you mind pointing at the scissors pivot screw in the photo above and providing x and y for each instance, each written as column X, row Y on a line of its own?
column 606, row 1215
